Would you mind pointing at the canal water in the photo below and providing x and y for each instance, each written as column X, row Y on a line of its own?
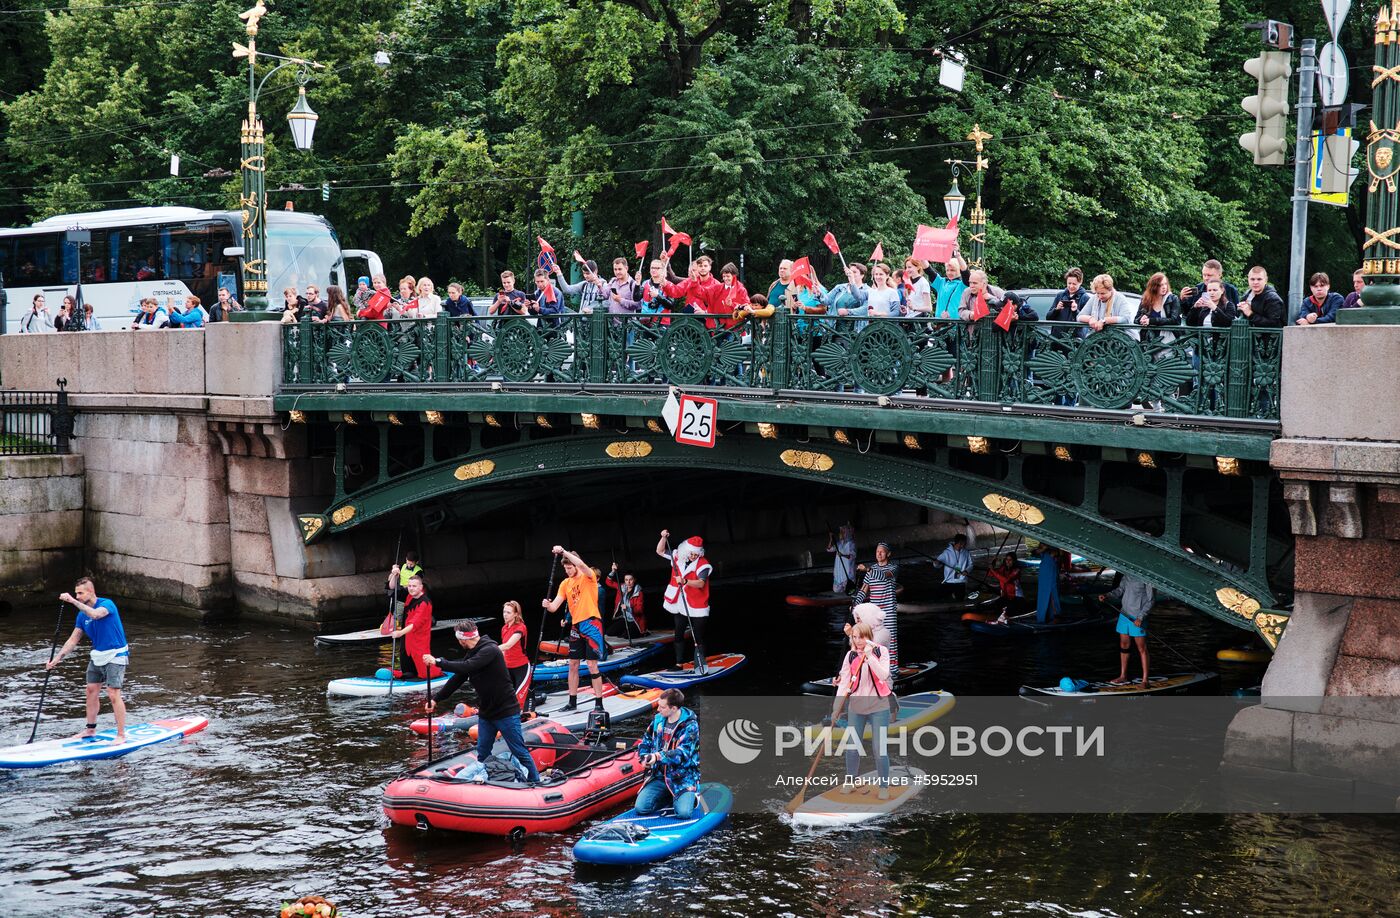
column 280, row 798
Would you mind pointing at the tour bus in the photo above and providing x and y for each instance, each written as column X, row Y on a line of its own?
column 166, row 253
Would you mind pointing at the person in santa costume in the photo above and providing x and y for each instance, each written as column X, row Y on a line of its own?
column 687, row 596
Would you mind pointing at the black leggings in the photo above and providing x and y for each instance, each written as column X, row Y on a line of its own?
column 517, row 675
column 697, row 628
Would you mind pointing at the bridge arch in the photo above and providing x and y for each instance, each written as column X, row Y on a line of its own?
column 929, row 478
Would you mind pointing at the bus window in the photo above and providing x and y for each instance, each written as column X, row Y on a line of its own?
column 37, row 261
column 299, row 254
column 195, row 255
column 141, row 255
column 7, row 262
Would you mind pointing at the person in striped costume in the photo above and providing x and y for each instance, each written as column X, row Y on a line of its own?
column 879, row 587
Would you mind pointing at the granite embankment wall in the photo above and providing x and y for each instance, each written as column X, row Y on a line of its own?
column 41, row 526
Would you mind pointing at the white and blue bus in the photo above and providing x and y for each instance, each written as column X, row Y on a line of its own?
column 166, row 253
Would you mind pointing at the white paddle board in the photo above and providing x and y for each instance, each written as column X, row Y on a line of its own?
column 851, row 806
column 102, row 746
column 374, row 636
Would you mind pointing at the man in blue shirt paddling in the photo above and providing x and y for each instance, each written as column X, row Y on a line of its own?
column 98, row 619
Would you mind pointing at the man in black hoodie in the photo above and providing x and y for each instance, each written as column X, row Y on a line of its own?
column 498, row 710
column 1262, row 305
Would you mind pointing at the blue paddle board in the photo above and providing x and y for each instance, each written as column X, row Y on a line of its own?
column 102, row 746
column 717, row 666
column 617, row 659
column 635, row 839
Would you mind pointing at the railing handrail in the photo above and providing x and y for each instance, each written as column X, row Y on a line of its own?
column 35, row 422
column 1230, row 371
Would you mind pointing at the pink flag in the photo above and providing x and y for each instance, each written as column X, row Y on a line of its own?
column 933, row 244
column 879, row 253
column 666, row 228
column 801, row 273
column 979, row 306
column 1005, row 317
column 579, row 258
column 545, row 246
column 830, row 240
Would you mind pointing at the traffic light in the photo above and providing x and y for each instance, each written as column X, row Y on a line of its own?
column 1269, row 139
column 1335, row 173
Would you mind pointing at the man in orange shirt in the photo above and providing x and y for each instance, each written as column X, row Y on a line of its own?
column 586, row 641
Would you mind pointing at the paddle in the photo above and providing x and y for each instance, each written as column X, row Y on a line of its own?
column 429, row 706
column 53, row 647
column 393, row 619
column 796, row 802
column 539, row 635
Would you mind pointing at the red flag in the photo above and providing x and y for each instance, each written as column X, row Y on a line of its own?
column 579, row 258
column 680, row 239
column 801, row 273
column 641, row 248
column 830, row 241
column 675, row 244
column 933, row 244
column 379, row 299
column 545, row 246
column 1005, row 317
column 666, row 228
column 646, row 293
column 979, row 305
column 879, row 253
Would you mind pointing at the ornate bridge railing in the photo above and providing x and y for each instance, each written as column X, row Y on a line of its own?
column 1223, row 372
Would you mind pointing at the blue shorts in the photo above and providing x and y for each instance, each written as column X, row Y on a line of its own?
column 586, row 641
column 1126, row 626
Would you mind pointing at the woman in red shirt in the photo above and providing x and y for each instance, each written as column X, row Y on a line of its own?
column 417, row 630
column 513, row 635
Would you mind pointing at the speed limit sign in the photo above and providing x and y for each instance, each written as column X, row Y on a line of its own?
column 696, row 424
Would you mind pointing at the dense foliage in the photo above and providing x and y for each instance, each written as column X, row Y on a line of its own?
column 755, row 126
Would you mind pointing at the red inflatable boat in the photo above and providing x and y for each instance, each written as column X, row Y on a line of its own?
column 589, row 779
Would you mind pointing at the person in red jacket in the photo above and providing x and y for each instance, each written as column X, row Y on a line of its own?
column 417, row 630
column 703, row 294
column 628, row 619
column 734, row 295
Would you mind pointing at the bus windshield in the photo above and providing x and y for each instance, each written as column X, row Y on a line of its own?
column 299, row 254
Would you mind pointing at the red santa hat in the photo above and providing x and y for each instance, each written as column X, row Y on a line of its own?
column 694, row 546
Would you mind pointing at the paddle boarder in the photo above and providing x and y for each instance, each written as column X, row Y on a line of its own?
column 956, row 562
column 398, row 582
column 687, row 596
column 497, row 710
column 670, row 750
column 628, row 618
column 1136, row 598
column 879, row 587
column 514, row 635
column 98, row 619
column 864, row 686
column 843, row 546
column 586, row 640
column 1007, row 573
column 1047, row 585
column 417, row 630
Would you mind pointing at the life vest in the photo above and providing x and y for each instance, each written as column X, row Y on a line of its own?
column 881, row 687
column 407, row 573
column 697, row 596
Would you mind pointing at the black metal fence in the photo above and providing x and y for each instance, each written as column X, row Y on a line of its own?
column 35, row 423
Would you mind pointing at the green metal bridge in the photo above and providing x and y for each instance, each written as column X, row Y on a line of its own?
column 1143, row 449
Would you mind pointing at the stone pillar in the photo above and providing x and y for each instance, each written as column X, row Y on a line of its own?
column 1330, row 708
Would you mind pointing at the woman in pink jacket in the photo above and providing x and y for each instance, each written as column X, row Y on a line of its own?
column 864, row 684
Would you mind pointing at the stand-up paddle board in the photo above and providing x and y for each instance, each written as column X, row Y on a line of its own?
column 561, row 648
column 102, row 746
column 374, row 636
column 716, row 666
column 910, row 675
column 1167, row 684
column 1027, row 626
column 374, row 686
column 981, row 600
column 848, row 806
column 828, row 599
column 632, row 838
column 617, row 659
column 546, row 706
column 619, row 706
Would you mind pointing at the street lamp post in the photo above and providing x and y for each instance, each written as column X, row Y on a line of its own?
column 954, row 201
column 253, row 159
